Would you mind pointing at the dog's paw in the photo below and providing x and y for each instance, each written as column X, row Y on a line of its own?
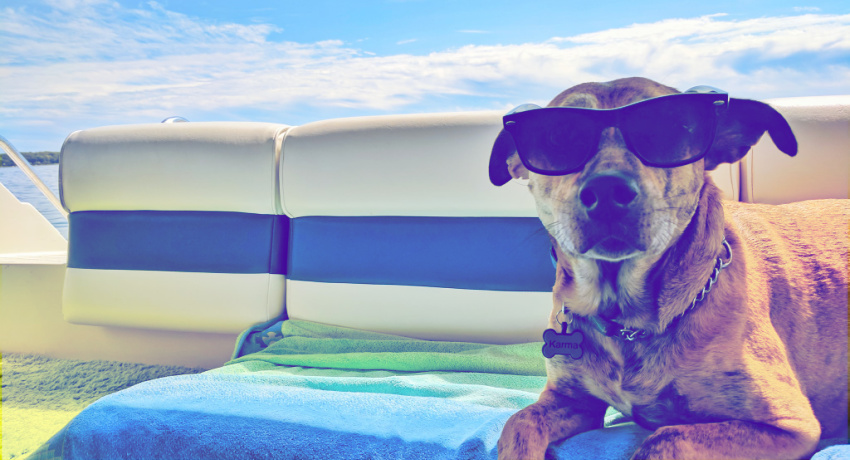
column 522, row 437
column 509, row 450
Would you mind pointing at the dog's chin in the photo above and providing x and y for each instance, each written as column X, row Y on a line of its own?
column 612, row 249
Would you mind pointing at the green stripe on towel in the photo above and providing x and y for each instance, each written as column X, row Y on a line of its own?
column 307, row 344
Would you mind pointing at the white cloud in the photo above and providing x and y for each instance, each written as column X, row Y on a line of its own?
column 711, row 49
column 74, row 5
column 114, row 65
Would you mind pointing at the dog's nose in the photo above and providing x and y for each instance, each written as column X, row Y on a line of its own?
column 608, row 196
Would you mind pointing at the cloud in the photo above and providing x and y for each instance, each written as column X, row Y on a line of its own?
column 112, row 64
column 74, row 5
column 404, row 42
column 720, row 51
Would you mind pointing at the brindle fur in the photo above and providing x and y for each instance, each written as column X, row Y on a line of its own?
column 758, row 369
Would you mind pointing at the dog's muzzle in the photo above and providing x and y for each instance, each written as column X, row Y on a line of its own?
column 608, row 205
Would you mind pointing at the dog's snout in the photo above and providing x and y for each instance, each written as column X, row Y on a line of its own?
column 608, row 196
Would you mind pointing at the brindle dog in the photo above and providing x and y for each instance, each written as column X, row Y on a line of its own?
column 758, row 368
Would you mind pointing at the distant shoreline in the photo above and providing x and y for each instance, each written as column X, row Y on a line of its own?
column 35, row 158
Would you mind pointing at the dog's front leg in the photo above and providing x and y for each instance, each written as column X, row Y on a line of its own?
column 733, row 439
column 554, row 416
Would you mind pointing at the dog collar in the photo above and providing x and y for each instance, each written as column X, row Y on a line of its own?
column 615, row 329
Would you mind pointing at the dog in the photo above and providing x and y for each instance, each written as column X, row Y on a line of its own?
column 722, row 326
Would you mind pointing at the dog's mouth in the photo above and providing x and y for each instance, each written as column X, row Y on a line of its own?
column 612, row 249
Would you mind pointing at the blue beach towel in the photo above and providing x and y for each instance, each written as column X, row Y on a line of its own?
column 333, row 393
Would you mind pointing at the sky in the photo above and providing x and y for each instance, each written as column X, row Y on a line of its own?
column 76, row 64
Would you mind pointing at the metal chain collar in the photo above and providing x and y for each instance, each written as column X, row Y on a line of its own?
column 631, row 335
column 718, row 266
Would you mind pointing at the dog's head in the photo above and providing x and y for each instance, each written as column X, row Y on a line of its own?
column 618, row 184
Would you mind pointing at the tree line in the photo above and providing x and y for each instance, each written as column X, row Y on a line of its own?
column 35, row 158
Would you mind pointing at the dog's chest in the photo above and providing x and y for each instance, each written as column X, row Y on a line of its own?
column 632, row 381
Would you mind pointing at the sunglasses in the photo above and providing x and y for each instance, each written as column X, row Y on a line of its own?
column 664, row 132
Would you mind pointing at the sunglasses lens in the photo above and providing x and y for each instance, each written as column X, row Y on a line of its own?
column 549, row 143
column 667, row 131
column 670, row 131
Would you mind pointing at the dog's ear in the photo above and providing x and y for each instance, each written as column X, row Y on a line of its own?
column 741, row 126
column 504, row 160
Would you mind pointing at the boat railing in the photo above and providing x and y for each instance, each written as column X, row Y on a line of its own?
column 26, row 168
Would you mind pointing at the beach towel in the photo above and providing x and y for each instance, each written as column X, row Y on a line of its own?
column 333, row 393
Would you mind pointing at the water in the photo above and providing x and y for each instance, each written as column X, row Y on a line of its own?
column 24, row 190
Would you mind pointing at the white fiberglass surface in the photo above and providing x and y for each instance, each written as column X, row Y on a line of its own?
column 24, row 190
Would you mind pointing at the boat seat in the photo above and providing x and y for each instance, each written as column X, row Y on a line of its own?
column 386, row 224
column 820, row 170
column 396, row 228
column 174, row 226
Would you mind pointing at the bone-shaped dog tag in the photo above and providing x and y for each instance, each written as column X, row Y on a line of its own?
column 568, row 344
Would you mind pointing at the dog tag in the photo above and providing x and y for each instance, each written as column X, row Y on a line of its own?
column 567, row 343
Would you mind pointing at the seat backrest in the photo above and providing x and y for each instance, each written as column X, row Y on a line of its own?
column 387, row 224
column 821, row 168
column 396, row 228
column 174, row 226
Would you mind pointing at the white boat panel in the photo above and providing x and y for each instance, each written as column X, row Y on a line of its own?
column 406, row 165
column 429, row 313
column 215, row 166
column 31, row 322
column 176, row 301
column 822, row 167
column 23, row 229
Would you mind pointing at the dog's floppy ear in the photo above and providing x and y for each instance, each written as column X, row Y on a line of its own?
column 504, row 160
column 741, row 126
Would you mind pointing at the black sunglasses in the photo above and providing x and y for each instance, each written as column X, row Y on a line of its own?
column 665, row 131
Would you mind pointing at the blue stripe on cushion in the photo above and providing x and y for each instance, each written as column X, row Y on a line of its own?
column 183, row 241
column 487, row 253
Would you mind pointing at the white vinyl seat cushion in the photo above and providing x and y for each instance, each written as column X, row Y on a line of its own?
column 174, row 226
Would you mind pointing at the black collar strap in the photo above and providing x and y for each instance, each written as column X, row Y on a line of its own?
column 615, row 329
